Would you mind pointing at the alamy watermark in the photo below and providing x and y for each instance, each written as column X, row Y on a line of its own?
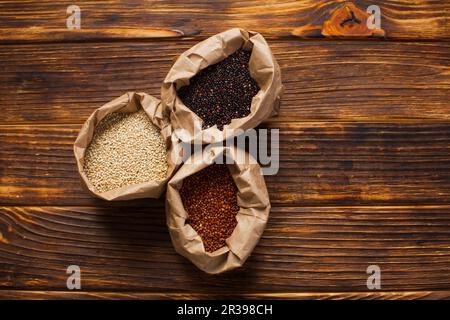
column 262, row 144
column 73, row 21
column 74, row 279
column 374, row 279
column 374, row 20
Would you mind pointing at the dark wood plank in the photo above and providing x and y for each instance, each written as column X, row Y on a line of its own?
column 41, row 295
column 320, row 163
column 46, row 20
column 325, row 80
column 302, row 249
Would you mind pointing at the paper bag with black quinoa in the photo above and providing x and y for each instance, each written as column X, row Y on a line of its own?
column 216, row 213
column 125, row 150
column 228, row 81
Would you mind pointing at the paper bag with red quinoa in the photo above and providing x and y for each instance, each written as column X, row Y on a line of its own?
column 128, row 103
column 263, row 68
column 252, row 199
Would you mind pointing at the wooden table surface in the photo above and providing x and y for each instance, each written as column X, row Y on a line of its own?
column 365, row 151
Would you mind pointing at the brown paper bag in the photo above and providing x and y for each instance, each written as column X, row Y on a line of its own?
column 129, row 102
column 263, row 68
column 253, row 200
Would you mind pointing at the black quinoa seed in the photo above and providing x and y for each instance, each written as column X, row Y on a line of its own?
column 221, row 92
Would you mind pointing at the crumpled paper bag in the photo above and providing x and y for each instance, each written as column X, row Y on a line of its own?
column 263, row 68
column 253, row 200
column 129, row 102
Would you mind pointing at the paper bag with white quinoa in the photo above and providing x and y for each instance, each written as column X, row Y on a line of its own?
column 128, row 103
column 264, row 69
column 252, row 198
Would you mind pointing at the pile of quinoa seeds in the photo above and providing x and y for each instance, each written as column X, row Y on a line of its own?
column 222, row 91
column 126, row 149
column 210, row 199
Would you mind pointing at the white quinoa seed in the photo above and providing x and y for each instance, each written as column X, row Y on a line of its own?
column 126, row 149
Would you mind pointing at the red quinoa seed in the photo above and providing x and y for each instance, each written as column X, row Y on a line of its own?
column 210, row 199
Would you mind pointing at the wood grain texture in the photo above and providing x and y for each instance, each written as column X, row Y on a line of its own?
column 320, row 163
column 348, row 21
column 318, row 249
column 325, row 80
column 46, row 20
column 92, row 295
column 365, row 152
